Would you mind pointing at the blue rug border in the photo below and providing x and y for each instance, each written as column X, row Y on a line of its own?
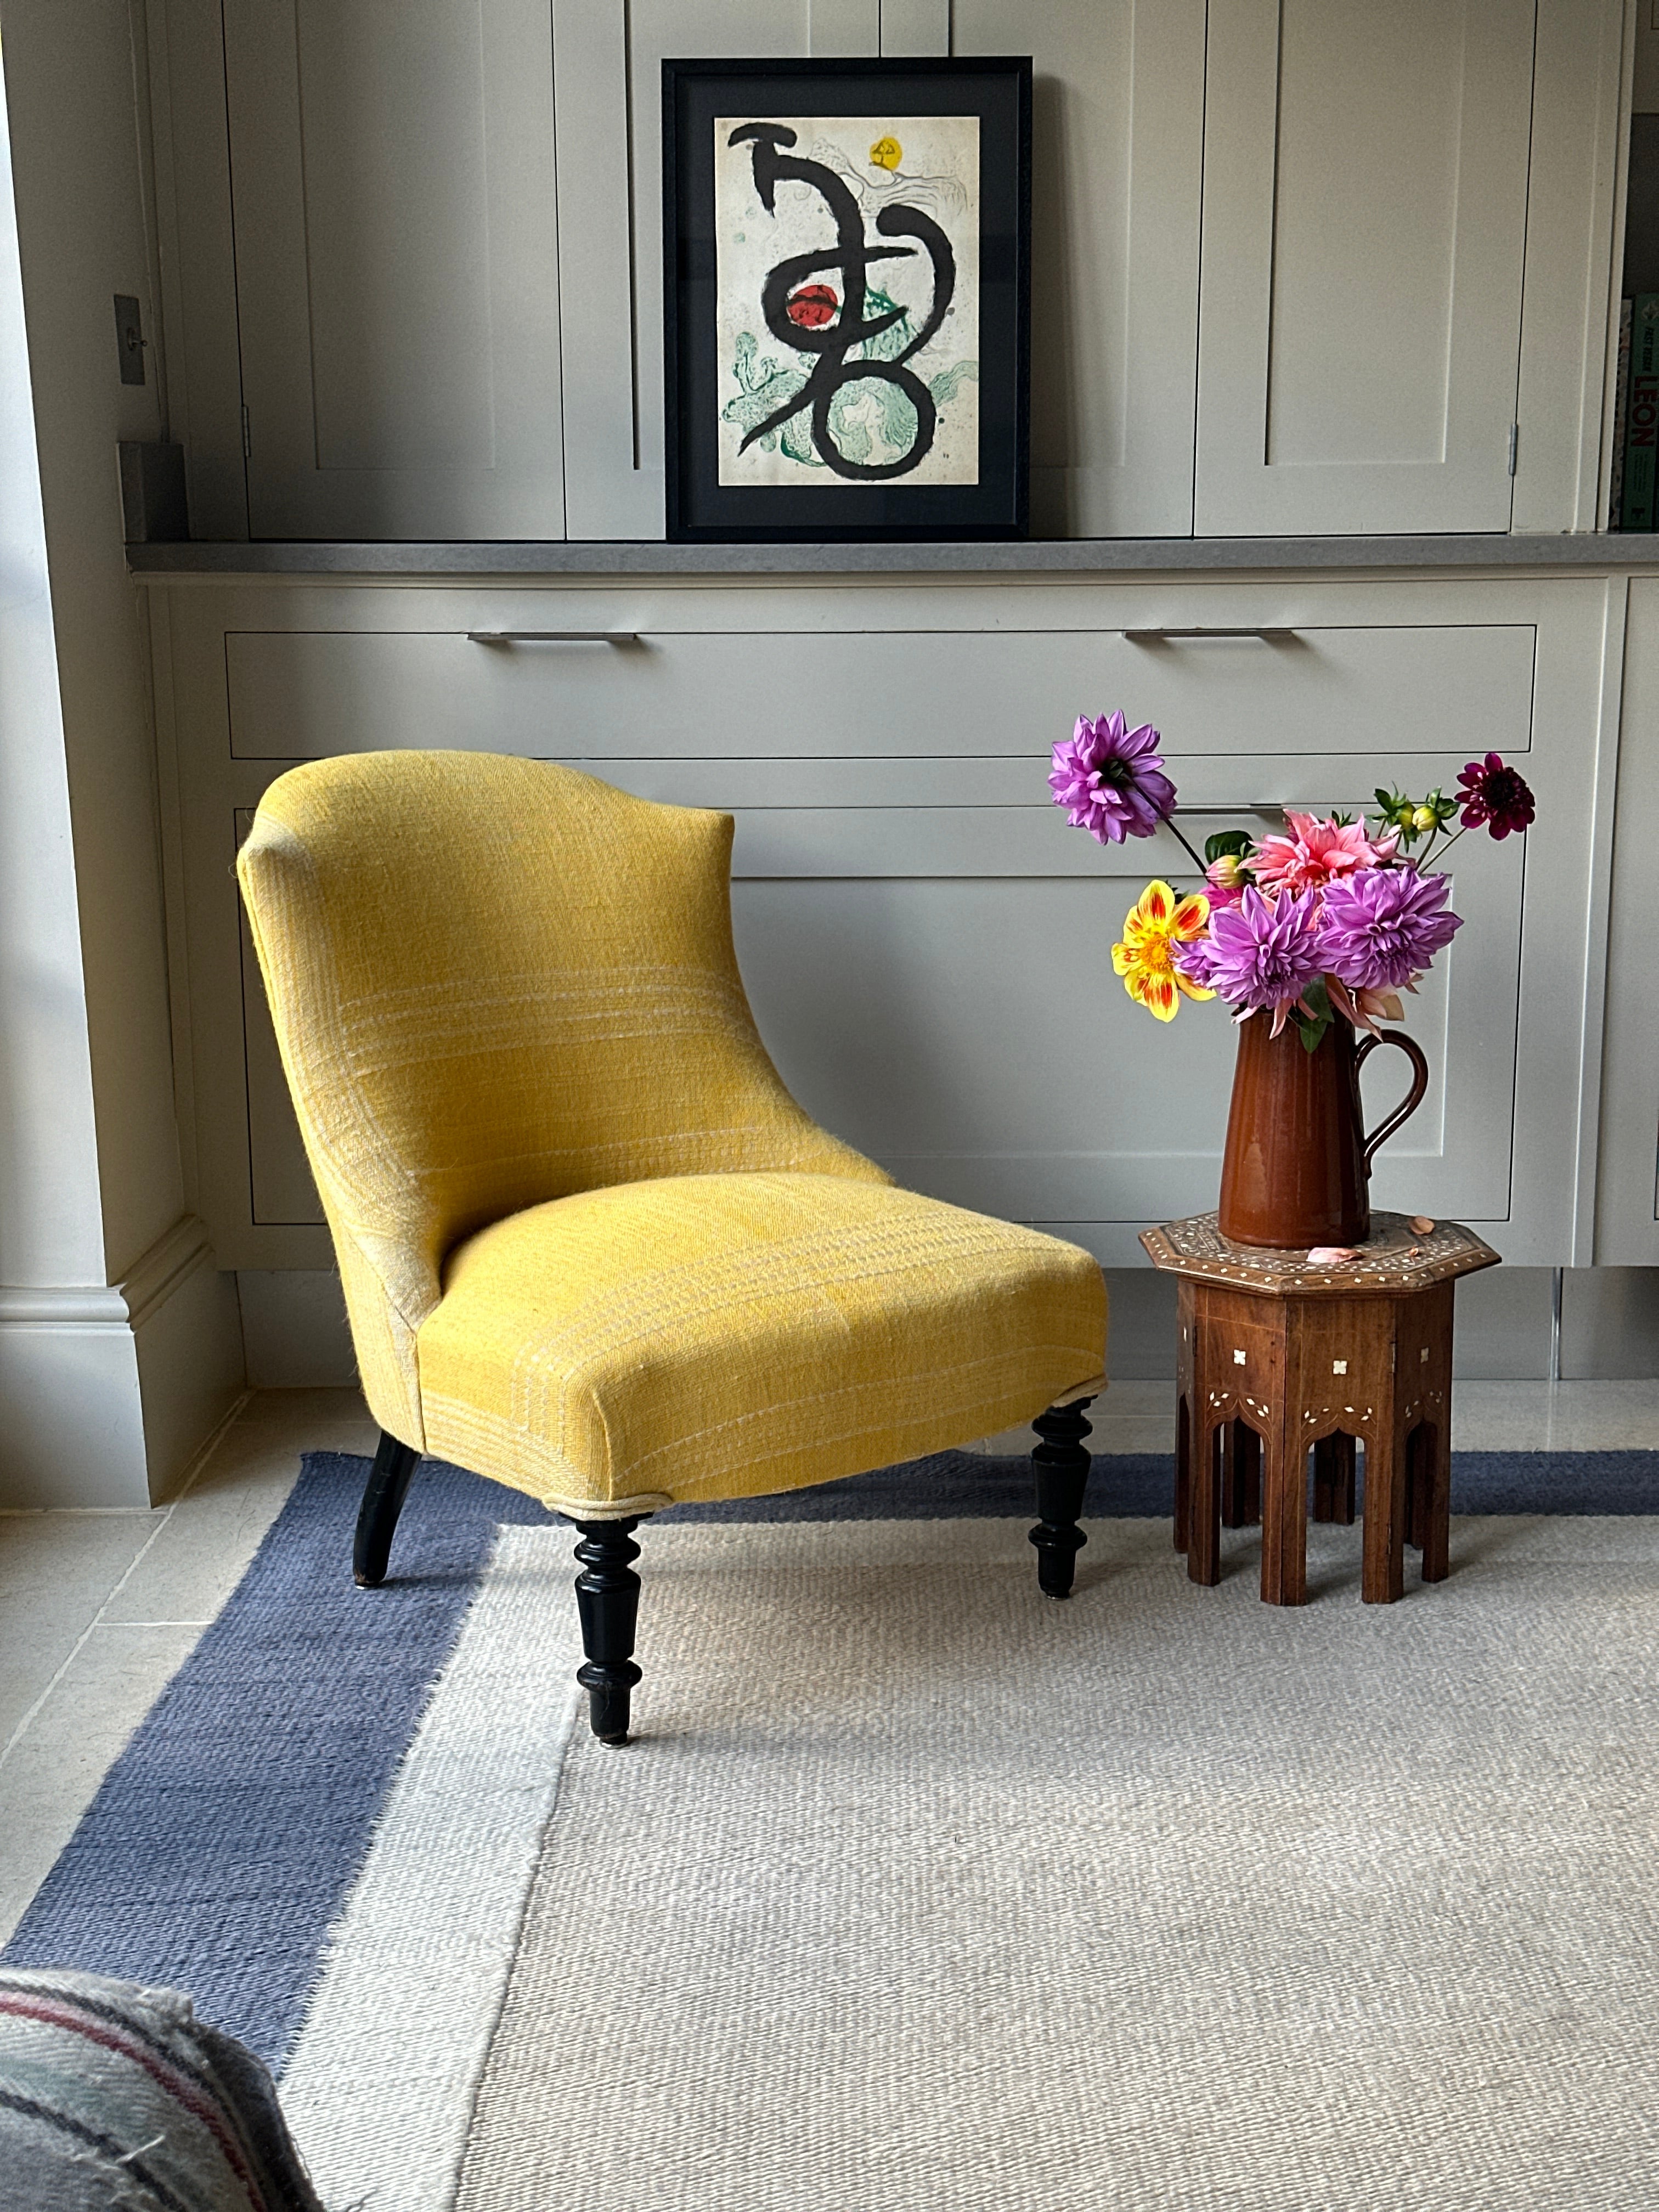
column 1140, row 1486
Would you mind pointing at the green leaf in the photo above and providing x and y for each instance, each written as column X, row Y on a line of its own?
column 1237, row 841
column 1312, row 1031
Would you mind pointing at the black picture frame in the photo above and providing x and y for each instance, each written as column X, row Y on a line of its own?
column 700, row 509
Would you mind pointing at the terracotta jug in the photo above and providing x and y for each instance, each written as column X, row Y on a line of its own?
column 1298, row 1164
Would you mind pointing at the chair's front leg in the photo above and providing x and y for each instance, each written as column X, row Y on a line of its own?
column 608, row 1600
column 383, row 1501
column 1061, row 1464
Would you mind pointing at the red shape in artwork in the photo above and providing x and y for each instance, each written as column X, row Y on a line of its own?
column 812, row 306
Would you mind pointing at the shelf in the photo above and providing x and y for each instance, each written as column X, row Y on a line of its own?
column 1068, row 556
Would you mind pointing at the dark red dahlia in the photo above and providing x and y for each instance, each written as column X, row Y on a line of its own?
column 1491, row 794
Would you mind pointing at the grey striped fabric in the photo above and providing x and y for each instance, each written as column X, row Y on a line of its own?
column 118, row 2098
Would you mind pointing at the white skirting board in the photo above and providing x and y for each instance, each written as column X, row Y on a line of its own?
column 295, row 1327
column 111, row 1389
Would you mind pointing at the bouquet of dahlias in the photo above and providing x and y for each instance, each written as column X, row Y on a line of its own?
column 1333, row 917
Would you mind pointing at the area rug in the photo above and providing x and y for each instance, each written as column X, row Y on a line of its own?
column 915, row 1891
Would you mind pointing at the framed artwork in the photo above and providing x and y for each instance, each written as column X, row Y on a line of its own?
column 846, row 298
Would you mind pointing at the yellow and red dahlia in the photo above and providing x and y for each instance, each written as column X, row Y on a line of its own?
column 1154, row 926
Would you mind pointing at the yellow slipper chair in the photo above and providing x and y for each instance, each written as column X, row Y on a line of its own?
column 590, row 1246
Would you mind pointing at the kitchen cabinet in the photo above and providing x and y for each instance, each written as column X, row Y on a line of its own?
column 397, row 267
column 1300, row 267
column 1365, row 232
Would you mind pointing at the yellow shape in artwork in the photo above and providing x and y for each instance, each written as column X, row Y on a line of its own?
column 887, row 153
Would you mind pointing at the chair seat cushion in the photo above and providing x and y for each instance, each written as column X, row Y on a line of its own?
column 723, row 1336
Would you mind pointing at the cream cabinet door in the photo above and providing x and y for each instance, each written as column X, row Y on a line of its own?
column 392, row 179
column 1365, row 227
column 1118, row 126
column 609, row 56
column 1117, row 165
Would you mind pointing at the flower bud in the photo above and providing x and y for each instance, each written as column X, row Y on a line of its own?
column 1225, row 871
column 1423, row 817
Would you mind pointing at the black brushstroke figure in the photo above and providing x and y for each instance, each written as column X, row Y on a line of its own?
column 833, row 342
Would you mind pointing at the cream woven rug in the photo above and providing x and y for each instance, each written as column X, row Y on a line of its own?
column 920, row 1892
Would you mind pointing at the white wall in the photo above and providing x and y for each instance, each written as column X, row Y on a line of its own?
column 74, row 162
column 91, row 1192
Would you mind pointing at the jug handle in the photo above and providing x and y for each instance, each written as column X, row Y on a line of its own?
column 1408, row 1105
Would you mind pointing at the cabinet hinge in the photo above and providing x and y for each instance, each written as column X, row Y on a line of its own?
column 1515, row 442
column 247, row 443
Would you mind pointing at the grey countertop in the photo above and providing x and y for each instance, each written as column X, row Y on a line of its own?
column 1077, row 557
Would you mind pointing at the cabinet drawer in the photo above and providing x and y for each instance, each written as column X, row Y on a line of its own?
column 849, row 694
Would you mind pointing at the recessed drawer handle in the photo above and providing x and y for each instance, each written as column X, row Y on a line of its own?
column 554, row 636
column 1272, row 808
column 1171, row 637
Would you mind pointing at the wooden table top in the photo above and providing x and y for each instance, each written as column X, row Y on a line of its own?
column 1395, row 1259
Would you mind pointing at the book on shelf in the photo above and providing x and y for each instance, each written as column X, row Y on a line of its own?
column 1638, row 507
column 1620, row 417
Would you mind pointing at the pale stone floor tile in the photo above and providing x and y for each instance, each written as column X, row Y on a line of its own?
column 1556, row 1416
column 218, row 1526
column 57, row 1570
column 52, row 1772
column 98, row 1610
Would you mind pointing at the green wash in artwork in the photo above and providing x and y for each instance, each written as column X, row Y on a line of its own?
column 766, row 386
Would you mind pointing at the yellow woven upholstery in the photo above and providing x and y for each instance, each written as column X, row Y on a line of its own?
column 590, row 1247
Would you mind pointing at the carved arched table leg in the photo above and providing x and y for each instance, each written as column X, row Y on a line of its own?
column 1203, row 1513
column 1284, row 1508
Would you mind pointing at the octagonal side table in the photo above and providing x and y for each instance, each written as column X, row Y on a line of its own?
column 1276, row 1358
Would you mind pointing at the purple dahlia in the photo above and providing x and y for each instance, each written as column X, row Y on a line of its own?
column 1109, row 777
column 1259, row 953
column 1491, row 793
column 1384, row 925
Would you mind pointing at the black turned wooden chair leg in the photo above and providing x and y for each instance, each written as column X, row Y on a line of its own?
column 1061, row 1464
column 383, row 1501
column 608, row 1600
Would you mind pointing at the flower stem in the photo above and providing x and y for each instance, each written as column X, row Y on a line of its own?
column 1169, row 823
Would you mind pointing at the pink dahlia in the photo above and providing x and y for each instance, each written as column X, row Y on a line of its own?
column 1384, row 926
column 1109, row 779
column 1317, row 853
column 1259, row 953
column 1491, row 794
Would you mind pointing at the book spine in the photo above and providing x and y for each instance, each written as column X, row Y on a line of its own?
column 1642, row 438
column 1620, row 417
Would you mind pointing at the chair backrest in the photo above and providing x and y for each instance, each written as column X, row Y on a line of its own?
column 495, row 982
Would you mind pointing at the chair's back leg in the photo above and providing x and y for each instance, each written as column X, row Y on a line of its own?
column 383, row 1501
column 608, row 1600
column 1060, row 1464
